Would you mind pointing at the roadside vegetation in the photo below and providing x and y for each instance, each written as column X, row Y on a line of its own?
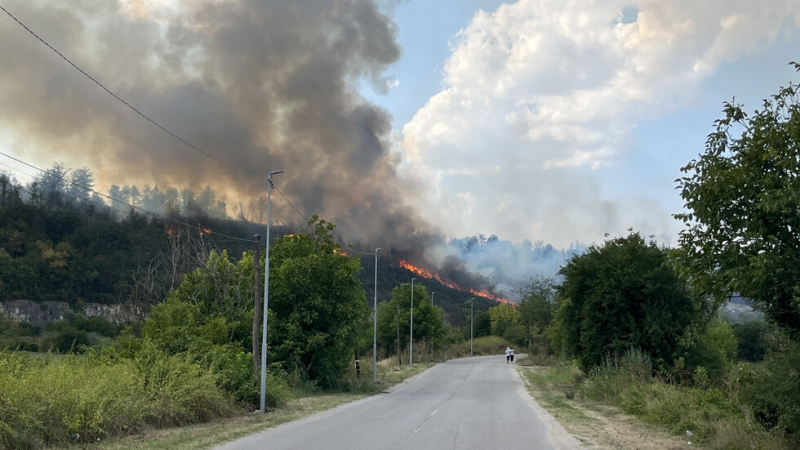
column 635, row 327
column 85, row 380
column 628, row 326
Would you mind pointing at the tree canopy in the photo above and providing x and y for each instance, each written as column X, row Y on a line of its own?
column 428, row 322
column 620, row 295
column 316, row 301
column 742, row 198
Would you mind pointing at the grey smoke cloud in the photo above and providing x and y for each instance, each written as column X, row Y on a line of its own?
column 260, row 84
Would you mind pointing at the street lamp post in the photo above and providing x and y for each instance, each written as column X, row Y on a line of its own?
column 375, row 323
column 266, row 298
column 432, row 293
column 411, row 336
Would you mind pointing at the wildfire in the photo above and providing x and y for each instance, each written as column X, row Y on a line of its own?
column 204, row 231
column 172, row 233
column 339, row 252
column 435, row 276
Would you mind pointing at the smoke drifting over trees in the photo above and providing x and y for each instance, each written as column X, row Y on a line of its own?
column 261, row 85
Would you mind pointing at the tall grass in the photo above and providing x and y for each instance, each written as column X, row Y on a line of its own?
column 82, row 399
column 710, row 415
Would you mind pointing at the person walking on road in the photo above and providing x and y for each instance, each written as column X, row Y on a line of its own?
column 512, row 355
column 509, row 352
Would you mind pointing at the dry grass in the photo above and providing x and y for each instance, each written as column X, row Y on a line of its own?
column 214, row 433
column 596, row 425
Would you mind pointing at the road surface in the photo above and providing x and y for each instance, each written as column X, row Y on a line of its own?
column 472, row 403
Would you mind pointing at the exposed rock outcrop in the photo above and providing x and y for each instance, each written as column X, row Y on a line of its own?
column 41, row 314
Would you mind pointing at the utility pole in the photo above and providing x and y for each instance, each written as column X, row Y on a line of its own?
column 397, row 319
column 411, row 335
column 266, row 297
column 375, row 323
column 257, row 298
column 471, row 319
column 432, row 336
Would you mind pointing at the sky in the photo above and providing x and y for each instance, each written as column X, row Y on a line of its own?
column 554, row 121
column 568, row 120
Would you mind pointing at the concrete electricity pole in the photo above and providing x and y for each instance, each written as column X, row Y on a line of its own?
column 397, row 319
column 266, row 297
column 257, row 297
column 411, row 337
column 375, row 323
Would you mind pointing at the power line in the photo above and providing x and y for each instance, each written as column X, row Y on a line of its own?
column 291, row 204
column 117, row 96
column 200, row 229
column 137, row 111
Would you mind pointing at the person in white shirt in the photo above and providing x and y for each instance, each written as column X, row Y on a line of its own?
column 509, row 352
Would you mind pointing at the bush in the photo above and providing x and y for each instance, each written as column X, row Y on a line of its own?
column 753, row 338
column 774, row 393
column 707, row 413
column 71, row 340
column 714, row 351
column 516, row 334
column 45, row 403
column 179, row 390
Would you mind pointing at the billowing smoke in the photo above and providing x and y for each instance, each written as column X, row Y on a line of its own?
column 260, row 84
column 509, row 267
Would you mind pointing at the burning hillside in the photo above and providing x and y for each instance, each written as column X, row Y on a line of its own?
column 451, row 284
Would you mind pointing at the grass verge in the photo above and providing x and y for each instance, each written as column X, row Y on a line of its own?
column 597, row 425
column 220, row 431
column 207, row 435
column 614, row 410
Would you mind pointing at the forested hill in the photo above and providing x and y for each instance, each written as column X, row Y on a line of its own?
column 63, row 247
column 65, row 250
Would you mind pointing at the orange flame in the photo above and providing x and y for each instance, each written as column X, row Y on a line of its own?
column 435, row 276
column 204, row 231
column 172, row 233
column 339, row 252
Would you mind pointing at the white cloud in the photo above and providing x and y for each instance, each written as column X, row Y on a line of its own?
column 551, row 90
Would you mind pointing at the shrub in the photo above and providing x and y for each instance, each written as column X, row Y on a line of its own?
column 516, row 334
column 44, row 403
column 752, row 338
column 714, row 350
column 179, row 391
column 774, row 393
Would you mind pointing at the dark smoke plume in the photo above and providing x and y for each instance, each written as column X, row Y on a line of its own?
column 260, row 84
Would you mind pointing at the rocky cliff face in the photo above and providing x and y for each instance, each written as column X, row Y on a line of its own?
column 41, row 314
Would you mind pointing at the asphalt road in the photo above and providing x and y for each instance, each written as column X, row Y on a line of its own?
column 472, row 403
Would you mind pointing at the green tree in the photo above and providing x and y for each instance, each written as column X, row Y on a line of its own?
column 317, row 302
column 536, row 309
column 482, row 325
column 753, row 339
column 222, row 288
column 502, row 316
column 712, row 347
column 428, row 323
column 742, row 198
column 620, row 295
